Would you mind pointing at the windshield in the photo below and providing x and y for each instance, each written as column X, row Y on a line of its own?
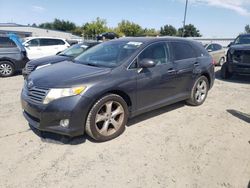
column 244, row 39
column 108, row 54
column 75, row 50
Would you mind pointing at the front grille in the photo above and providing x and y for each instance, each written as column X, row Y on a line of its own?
column 35, row 94
column 241, row 56
column 29, row 68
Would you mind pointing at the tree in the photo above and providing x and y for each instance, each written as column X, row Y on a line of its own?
column 60, row 25
column 95, row 27
column 150, row 32
column 129, row 28
column 168, row 30
column 189, row 31
column 247, row 29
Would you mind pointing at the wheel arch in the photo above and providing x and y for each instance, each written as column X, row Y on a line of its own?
column 122, row 94
column 208, row 78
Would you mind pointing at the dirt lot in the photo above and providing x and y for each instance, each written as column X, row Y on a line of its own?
column 176, row 146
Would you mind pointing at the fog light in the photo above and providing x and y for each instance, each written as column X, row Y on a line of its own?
column 64, row 123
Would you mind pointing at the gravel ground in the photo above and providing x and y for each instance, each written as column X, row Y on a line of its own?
column 176, row 146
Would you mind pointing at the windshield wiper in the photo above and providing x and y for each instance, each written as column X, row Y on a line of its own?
column 65, row 55
column 92, row 65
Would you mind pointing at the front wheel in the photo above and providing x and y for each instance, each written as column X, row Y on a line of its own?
column 199, row 91
column 225, row 74
column 107, row 118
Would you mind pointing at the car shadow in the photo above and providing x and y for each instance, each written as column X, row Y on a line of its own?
column 242, row 79
column 154, row 113
column 54, row 138
column 243, row 116
column 248, row 184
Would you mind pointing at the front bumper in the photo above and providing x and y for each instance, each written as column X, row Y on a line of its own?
column 239, row 68
column 47, row 117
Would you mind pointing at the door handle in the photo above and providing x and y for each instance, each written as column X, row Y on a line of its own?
column 171, row 71
column 196, row 64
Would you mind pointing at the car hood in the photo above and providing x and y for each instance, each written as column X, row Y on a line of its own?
column 48, row 60
column 67, row 74
column 240, row 47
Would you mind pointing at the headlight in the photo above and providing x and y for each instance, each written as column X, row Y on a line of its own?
column 54, row 94
column 43, row 66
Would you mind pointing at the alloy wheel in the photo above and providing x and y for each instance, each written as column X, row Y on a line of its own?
column 5, row 69
column 109, row 118
column 201, row 91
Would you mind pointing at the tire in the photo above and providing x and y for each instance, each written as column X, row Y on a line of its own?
column 222, row 61
column 6, row 69
column 199, row 91
column 105, row 129
column 225, row 74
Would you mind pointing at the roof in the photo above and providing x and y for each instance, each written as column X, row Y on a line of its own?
column 245, row 34
column 152, row 39
column 29, row 38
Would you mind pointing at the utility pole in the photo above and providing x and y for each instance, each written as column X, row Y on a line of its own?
column 184, row 21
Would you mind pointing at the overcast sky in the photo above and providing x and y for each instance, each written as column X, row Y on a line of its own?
column 214, row 18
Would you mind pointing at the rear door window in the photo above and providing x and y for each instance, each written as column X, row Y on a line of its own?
column 5, row 42
column 59, row 42
column 182, row 51
column 48, row 42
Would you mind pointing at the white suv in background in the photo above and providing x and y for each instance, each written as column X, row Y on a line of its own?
column 38, row 47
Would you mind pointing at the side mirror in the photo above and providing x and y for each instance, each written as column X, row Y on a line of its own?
column 230, row 44
column 26, row 45
column 209, row 50
column 147, row 63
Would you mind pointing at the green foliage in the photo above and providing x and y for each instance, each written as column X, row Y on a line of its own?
column 168, row 30
column 95, row 27
column 124, row 28
column 150, row 32
column 189, row 31
column 247, row 29
column 129, row 28
column 60, row 25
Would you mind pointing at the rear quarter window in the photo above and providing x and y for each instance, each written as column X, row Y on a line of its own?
column 182, row 50
column 5, row 42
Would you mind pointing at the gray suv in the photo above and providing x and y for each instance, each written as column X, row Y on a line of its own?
column 99, row 90
column 13, row 56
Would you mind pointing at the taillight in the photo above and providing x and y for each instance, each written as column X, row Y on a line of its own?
column 213, row 62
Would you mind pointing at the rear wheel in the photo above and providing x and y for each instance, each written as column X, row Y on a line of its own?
column 107, row 118
column 6, row 69
column 225, row 74
column 199, row 91
column 222, row 61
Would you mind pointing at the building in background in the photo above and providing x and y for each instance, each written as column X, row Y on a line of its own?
column 29, row 31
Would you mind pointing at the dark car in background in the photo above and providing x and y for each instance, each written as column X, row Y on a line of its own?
column 238, row 57
column 13, row 56
column 113, row 81
column 107, row 36
column 67, row 54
